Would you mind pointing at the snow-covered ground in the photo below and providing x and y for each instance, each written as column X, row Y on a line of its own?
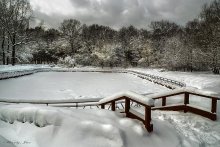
column 71, row 127
column 201, row 131
column 35, row 126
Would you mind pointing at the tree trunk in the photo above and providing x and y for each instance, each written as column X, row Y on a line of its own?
column 8, row 50
column 72, row 47
column 3, row 48
column 13, row 50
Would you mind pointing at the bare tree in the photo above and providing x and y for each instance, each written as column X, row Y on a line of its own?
column 3, row 39
column 14, row 18
column 71, row 29
column 210, row 17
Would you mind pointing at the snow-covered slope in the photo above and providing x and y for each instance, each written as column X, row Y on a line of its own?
column 202, row 80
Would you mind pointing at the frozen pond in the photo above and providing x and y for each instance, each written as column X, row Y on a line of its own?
column 73, row 85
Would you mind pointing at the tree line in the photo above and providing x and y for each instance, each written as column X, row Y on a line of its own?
column 193, row 47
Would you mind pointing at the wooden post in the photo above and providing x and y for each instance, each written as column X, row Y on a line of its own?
column 186, row 101
column 164, row 101
column 214, row 105
column 186, row 98
column 147, row 124
column 113, row 105
column 76, row 105
column 127, row 106
column 102, row 106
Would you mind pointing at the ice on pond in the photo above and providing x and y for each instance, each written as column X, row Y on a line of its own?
column 74, row 85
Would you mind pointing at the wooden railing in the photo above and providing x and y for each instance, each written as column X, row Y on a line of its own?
column 186, row 107
column 153, row 77
column 76, row 103
column 130, row 113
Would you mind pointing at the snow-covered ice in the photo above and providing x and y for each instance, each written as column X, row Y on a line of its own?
column 74, row 85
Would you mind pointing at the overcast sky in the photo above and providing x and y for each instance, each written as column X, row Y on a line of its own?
column 116, row 13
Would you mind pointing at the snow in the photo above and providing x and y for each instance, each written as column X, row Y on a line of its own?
column 201, row 131
column 34, row 125
column 140, row 98
column 37, row 126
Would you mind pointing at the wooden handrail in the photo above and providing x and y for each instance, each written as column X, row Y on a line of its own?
column 183, row 92
column 186, row 107
column 147, row 117
column 86, row 100
column 167, row 95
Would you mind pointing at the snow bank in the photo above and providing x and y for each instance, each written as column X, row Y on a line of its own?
column 129, row 94
column 10, row 68
column 8, row 71
column 35, row 126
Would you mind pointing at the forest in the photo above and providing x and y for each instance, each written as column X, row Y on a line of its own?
column 193, row 47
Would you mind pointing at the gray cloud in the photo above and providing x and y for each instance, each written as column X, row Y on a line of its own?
column 116, row 13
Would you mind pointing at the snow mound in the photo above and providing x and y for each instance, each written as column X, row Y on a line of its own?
column 69, row 127
column 31, row 114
